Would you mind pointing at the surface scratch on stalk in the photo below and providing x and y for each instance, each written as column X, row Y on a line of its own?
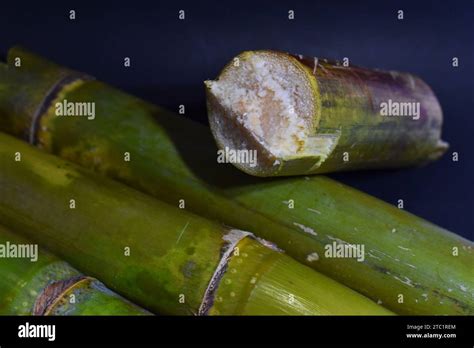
column 305, row 229
column 182, row 231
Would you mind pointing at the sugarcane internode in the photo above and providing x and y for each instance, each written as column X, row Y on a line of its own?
column 218, row 270
column 302, row 114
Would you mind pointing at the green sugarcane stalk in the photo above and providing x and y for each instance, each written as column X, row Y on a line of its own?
column 175, row 160
column 34, row 282
column 306, row 115
column 168, row 260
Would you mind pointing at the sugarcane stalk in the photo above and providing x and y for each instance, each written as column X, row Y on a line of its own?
column 306, row 115
column 34, row 282
column 175, row 160
column 168, row 260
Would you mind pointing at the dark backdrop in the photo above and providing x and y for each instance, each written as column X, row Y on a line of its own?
column 170, row 59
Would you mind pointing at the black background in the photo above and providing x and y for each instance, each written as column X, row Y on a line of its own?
column 170, row 58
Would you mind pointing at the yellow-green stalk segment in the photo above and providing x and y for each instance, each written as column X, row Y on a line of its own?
column 175, row 160
column 163, row 258
column 305, row 116
column 34, row 282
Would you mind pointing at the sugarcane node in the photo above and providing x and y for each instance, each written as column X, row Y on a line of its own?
column 29, row 89
column 54, row 292
column 48, row 100
column 231, row 240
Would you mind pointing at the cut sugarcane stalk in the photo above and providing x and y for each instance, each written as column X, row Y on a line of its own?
column 175, row 160
column 168, row 260
column 307, row 116
column 34, row 282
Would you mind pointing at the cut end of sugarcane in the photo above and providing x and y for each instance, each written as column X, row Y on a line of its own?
column 264, row 101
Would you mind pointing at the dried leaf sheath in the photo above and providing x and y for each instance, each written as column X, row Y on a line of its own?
column 175, row 160
column 45, row 285
column 306, row 116
column 163, row 258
